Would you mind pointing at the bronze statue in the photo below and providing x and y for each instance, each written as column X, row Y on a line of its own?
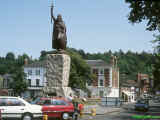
column 59, row 37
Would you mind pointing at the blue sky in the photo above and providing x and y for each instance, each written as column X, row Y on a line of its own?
column 92, row 25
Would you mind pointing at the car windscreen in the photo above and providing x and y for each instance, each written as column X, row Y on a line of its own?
column 35, row 101
column 58, row 102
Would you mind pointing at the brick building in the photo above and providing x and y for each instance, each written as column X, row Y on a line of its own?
column 144, row 83
column 106, row 81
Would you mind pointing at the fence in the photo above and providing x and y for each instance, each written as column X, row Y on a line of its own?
column 112, row 101
column 106, row 101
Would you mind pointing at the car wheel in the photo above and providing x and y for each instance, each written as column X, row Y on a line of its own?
column 65, row 116
column 75, row 116
column 27, row 116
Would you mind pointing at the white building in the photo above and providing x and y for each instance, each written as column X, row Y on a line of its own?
column 106, row 82
column 36, row 78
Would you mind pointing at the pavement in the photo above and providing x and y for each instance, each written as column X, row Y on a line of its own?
column 100, row 110
column 128, row 106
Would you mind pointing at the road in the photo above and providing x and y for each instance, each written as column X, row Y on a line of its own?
column 127, row 114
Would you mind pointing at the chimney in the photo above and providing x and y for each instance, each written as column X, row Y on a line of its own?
column 25, row 61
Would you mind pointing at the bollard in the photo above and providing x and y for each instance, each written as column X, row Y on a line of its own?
column 81, row 113
column 93, row 112
column 45, row 117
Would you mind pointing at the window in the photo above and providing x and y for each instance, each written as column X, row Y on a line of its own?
column 37, row 72
column 95, row 71
column 14, row 102
column 47, row 102
column 10, row 102
column 101, row 71
column 29, row 72
column 37, row 82
column 59, row 102
column 3, row 102
column 29, row 82
column 101, row 82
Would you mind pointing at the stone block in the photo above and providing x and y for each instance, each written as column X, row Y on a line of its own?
column 57, row 74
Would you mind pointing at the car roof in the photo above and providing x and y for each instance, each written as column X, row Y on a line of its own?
column 8, row 97
column 54, row 98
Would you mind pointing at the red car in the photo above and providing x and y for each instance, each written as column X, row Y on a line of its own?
column 57, row 108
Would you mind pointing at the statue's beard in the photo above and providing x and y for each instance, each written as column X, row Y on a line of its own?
column 59, row 20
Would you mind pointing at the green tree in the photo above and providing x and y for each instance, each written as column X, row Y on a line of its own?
column 19, row 84
column 147, row 10
column 43, row 55
column 10, row 56
column 1, row 82
column 156, row 65
column 80, row 71
column 21, row 58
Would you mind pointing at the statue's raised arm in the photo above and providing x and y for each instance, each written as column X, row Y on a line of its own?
column 52, row 16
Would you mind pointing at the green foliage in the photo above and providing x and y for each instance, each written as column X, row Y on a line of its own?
column 10, row 56
column 42, row 56
column 80, row 70
column 1, row 82
column 13, row 66
column 147, row 10
column 19, row 83
column 156, row 65
column 129, row 63
column 21, row 58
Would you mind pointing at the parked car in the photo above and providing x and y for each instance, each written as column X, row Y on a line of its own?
column 142, row 104
column 156, row 99
column 55, row 107
column 18, row 108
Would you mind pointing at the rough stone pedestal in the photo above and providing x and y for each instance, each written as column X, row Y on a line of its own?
column 57, row 74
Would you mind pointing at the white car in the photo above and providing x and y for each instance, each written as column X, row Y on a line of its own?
column 17, row 108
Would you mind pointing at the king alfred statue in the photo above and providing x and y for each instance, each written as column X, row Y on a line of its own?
column 59, row 37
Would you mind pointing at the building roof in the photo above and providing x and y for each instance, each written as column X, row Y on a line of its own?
column 97, row 63
column 36, row 64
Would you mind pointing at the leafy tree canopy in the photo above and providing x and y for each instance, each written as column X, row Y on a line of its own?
column 145, row 10
column 80, row 71
column 19, row 83
column 10, row 56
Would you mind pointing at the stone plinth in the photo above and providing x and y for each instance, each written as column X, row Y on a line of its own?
column 57, row 74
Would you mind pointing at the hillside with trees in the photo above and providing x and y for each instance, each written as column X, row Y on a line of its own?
column 148, row 11
column 129, row 63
